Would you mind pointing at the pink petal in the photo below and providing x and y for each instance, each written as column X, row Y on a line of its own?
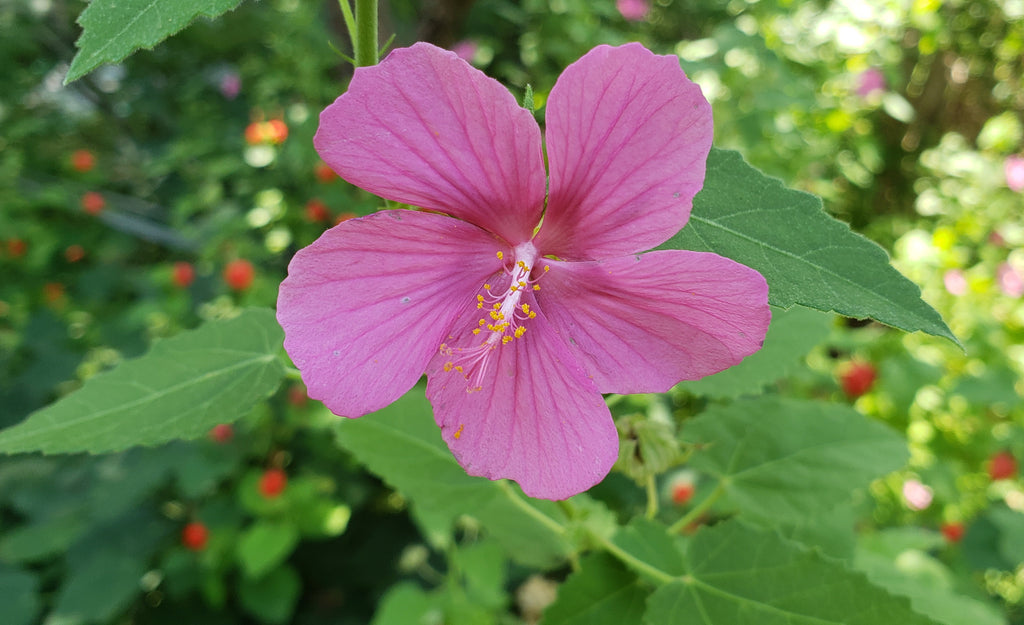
column 641, row 324
column 425, row 128
column 628, row 136
column 365, row 307
column 537, row 418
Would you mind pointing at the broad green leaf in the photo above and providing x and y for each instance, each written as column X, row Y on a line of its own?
column 1011, row 533
column 271, row 598
column 483, row 567
column 403, row 445
column 739, row 576
column 896, row 560
column 601, row 592
column 114, row 29
column 783, row 459
column 180, row 389
column 20, row 601
column 650, row 542
column 791, row 335
column 408, row 604
column 807, row 257
column 265, row 545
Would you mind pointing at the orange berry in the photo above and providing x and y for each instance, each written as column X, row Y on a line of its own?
column 273, row 483
column 182, row 274
column 239, row 274
column 324, row 173
column 254, row 133
column 953, row 532
column 93, row 203
column 317, row 211
column 194, row 536
column 74, row 253
column 1002, row 466
column 82, row 160
column 221, row 433
column 16, row 247
column 275, row 131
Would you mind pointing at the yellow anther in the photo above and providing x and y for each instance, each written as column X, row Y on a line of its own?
column 521, row 265
column 458, row 432
column 532, row 314
column 481, row 322
column 479, row 298
column 513, row 288
column 486, row 286
column 505, row 339
column 476, row 330
column 479, row 306
column 500, row 256
column 447, row 366
column 522, row 284
column 536, row 287
column 526, row 308
column 496, row 306
column 520, row 331
column 459, row 369
column 547, row 268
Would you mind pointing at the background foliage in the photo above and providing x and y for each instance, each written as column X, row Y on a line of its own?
column 848, row 473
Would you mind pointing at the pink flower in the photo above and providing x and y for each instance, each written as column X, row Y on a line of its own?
column 1010, row 281
column 633, row 10
column 871, row 80
column 466, row 49
column 917, row 495
column 1014, row 168
column 519, row 325
column 955, row 281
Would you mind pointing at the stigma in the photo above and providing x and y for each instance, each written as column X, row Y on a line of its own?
column 504, row 316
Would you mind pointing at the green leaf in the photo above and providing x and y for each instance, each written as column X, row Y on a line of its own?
column 271, row 598
column 791, row 335
column 650, row 542
column 114, row 29
column 739, row 576
column 18, row 588
column 265, row 545
column 1011, row 533
column 896, row 560
column 180, row 389
column 601, row 592
column 781, row 459
column 807, row 257
column 408, row 604
column 483, row 567
column 403, row 445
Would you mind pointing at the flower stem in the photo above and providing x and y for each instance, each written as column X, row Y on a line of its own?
column 652, row 497
column 292, row 373
column 698, row 510
column 365, row 41
column 630, row 560
column 525, row 506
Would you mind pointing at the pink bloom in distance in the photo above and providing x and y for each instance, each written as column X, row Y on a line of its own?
column 633, row 10
column 1010, row 281
column 917, row 495
column 519, row 325
column 466, row 49
column 1013, row 167
column 870, row 81
column 955, row 282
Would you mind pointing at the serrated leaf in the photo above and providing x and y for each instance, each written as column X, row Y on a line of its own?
column 807, row 257
column 114, row 29
column 601, row 592
column 265, row 545
column 180, row 389
column 791, row 335
column 403, row 445
column 740, row 576
column 651, row 543
column 784, row 459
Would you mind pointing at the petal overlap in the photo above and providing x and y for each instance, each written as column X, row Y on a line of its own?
column 425, row 128
column 366, row 305
column 538, row 419
column 627, row 138
column 642, row 323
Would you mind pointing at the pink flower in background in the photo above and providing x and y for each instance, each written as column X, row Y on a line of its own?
column 466, row 49
column 870, row 81
column 1014, row 168
column 633, row 10
column 1010, row 281
column 917, row 495
column 955, row 281
column 230, row 84
column 518, row 328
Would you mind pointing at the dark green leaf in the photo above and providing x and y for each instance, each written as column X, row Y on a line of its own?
column 183, row 387
column 271, row 598
column 807, row 257
column 114, row 29
column 601, row 592
column 20, row 602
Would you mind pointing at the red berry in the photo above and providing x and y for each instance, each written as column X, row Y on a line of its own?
column 239, row 274
column 317, row 211
column 183, row 274
column 53, row 292
column 324, row 173
column 273, row 483
column 275, row 131
column 16, row 248
column 82, row 160
column 1002, row 466
column 194, row 536
column 221, row 433
column 682, row 493
column 254, row 133
column 857, row 378
column 297, row 396
column 74, row 253
column 344, row 217
column 953, row 532
column 93, row 203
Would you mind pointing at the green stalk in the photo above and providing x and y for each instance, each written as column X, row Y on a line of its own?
column 698, row 510
column 365, row 41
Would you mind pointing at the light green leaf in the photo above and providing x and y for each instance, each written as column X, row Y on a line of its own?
column 271, row 598
column 180, row 389
column 791, row 335
column 601, row 592
column 650, row 542
column 20, row 603
column 408, row 604
column 739, row 576
column 483, row 567
column 781, row 460
column 403, row 445
column 807, row 257
column 265, row 545
column 114, row 29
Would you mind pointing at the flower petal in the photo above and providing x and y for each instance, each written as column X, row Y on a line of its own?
column 537, row 418
column 628, row 137
column 365, row 307
column 641, row 324
column 425, row 128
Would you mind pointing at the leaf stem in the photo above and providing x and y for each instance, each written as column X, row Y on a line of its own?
column 698, row 510
column 630, row 560
column 292, row 373
column 350, row 23
column 652, row 497
column 365, row 42
column 525, row 506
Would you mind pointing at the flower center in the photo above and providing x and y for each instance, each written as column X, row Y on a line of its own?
column 503, row 317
